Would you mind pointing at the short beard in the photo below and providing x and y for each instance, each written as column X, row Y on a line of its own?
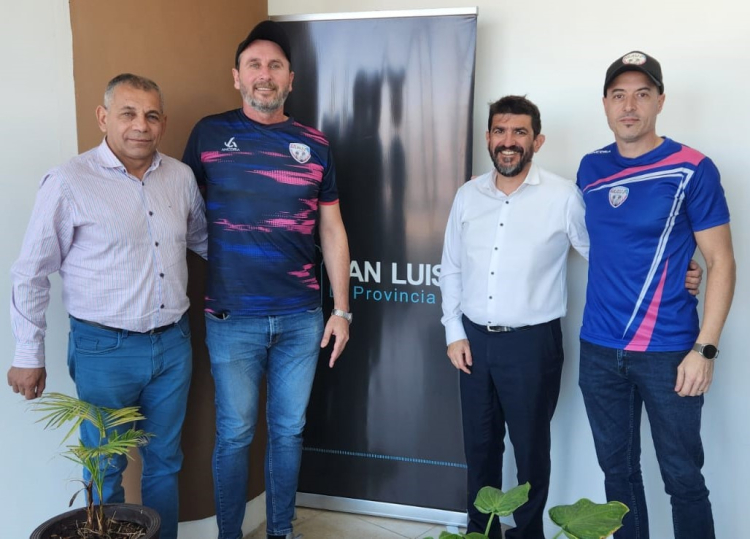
column 265, row 107
column 510, row 171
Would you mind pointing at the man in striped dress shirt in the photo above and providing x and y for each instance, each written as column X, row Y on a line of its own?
column 114, row 222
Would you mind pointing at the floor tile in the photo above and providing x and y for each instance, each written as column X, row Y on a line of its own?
column 342, row 526
column 405, row 528
column 433, row 532
column 319, row 524
column 302, row 514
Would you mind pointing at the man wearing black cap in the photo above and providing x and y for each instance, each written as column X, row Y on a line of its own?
column 649, row 202
column 269, row 184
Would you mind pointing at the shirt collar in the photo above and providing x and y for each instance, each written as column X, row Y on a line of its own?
column 532, row 178
column 108, row 159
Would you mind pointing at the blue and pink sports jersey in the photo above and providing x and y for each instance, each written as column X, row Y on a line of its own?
column 263, row 185
column 641, row 215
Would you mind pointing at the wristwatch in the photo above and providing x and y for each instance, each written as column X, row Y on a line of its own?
column 343, row 314
column 709, row 351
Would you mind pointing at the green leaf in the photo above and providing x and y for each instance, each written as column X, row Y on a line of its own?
column 475, row 535
column 449, row 535
column 493, row 500
column 588, row 520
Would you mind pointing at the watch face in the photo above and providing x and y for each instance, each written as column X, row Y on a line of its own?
column 709, row 351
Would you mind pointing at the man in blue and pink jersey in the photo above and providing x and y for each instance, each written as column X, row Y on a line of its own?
column 269, row 184
column 649, row 202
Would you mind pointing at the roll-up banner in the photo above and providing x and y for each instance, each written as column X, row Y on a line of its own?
column 393, row 91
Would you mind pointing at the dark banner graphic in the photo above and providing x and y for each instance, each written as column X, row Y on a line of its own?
column 395, row 98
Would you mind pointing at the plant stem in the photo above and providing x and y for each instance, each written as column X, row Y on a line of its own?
column 489, row 524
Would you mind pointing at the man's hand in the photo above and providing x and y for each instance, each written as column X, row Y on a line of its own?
column 693, row 277
column 28, row 382
column 694, row 375
column 339, row 328
column 460, row 354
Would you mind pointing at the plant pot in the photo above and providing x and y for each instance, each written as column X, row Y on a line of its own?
column 128, row 512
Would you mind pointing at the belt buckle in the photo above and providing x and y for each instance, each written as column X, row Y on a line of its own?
column 499, row 329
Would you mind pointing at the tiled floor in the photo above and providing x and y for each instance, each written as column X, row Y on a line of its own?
column 314, row 524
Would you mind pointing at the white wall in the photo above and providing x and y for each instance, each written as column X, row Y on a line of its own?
column 37, row 131
column 553, row 51
column 557, row 53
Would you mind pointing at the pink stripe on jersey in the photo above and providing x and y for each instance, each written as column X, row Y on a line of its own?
column 310, row 173
column 642, row 337
column 212, row 157
column 307, row 276
column 314, row 134
column 685, row 155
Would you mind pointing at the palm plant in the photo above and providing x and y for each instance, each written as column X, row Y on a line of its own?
column 61, row 409
column 582, row 520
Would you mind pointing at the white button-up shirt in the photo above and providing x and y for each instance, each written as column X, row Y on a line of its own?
column 117, row 242
column 505, row 256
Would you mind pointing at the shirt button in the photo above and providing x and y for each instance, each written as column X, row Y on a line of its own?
column 495, row 248
column 492, row 273
column 161, row 275
column 501, row 224
column 161, row 306
column 490, row 297
column 150, row 213
column 156, row 243
column 507, row 202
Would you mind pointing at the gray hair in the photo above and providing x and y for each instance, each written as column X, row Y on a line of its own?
column 135, row 81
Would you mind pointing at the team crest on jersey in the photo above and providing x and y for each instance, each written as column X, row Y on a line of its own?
column 617, row 196
column 300, row 152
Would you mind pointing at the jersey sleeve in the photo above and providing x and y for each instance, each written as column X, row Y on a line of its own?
column 192, row 158
column 329, row 193
column 706, row 201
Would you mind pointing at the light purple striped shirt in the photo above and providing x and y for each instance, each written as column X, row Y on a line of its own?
column 118, row 244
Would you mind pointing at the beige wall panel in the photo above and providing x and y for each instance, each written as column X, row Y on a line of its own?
column 187, row 47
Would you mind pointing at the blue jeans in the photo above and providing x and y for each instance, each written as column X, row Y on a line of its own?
column 119, row 368
column 615, row 386
column 243, row 349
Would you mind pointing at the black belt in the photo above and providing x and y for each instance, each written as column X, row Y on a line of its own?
column 155, row 331
column 505, row 329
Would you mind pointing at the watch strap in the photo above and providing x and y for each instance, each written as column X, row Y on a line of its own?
column 343, row 314
column 709, row 351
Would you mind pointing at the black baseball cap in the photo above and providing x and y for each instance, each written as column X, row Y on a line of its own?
column 267, row 31
column 635, row 61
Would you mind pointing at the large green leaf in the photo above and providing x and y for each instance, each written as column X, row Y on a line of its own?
column 493, row 500
column 588, row 520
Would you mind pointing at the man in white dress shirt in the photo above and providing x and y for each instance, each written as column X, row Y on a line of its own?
column 115, row 222
column 503, row 282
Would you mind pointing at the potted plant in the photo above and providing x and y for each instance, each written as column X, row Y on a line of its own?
column 582, row 520
column 96, row 520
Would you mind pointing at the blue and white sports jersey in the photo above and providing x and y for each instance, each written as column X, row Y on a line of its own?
column 641, row 214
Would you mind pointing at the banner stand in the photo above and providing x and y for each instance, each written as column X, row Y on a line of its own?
column 381, row 509
column 393, row 92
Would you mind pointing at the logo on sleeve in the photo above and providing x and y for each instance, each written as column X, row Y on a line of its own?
column 300, row 152
column 617, row 196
